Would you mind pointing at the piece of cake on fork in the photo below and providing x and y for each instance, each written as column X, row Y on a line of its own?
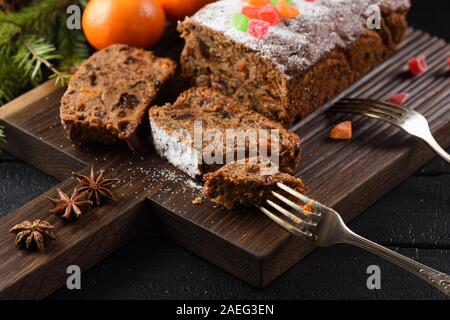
column 247, row 182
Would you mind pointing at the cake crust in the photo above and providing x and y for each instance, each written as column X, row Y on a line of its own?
column 108, row 97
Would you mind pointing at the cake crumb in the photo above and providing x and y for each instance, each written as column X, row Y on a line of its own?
column 197, row 201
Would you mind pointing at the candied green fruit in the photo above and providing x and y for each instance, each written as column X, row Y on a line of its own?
column 240, row 21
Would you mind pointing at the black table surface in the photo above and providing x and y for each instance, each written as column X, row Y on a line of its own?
column 413, row 219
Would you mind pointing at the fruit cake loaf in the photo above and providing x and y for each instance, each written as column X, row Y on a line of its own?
column 108, row 97
column 300, row 63
column 175, row 132
column 245, row 183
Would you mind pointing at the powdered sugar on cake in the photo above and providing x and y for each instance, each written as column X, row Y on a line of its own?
column 296, row 44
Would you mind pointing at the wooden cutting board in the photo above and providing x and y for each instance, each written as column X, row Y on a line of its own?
column 348, row 176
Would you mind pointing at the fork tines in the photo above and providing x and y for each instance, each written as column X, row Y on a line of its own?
column 299, row 225
column 367, row 107
column 411, row 121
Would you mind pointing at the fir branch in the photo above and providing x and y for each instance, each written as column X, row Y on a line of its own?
column 61, row 78
column 11, row 81
column 39, row 52
column 31, row 50
column 38, row 16
column 8, row 31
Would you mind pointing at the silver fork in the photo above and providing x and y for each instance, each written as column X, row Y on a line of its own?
column 409, row 120
column 326, row 227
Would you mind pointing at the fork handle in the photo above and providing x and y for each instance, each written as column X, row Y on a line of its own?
column 435, row 278
column 431, row 141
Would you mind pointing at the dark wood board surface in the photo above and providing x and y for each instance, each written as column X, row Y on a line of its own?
column 349, row 176
column 412, row 219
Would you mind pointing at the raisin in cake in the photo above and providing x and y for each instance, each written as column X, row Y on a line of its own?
column 246, row 183
column 175, row 129
column 108, row 97
column 300, row 63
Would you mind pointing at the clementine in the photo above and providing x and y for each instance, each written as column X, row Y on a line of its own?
column 138, row 23
column 179, row 9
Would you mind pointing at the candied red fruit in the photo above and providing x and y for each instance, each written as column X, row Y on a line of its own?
column 250, row 12
column 417, row 65
column 399, row 98
column 258, row 28
column 269, row 14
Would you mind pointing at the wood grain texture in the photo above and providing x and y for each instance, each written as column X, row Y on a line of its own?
column 349, row 176
column 153, row 267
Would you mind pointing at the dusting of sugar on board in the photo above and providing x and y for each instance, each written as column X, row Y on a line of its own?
column 171, row 175
column 296, row 44
column 142, row 177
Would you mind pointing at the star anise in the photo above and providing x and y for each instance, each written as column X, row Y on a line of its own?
column 97, row 187
column 33, row 234
column 70, row 208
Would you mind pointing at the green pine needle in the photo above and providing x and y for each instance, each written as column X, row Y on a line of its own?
column 38, row 16
column 11, row 81
column 61, row 78
column 2, row 134
column 32, row 54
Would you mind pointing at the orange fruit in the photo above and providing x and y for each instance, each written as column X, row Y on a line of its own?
column 138, row 23
column 179, row 9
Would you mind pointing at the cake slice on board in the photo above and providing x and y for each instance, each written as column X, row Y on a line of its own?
column 246, row 183
column 204, row 129
column 108, row 97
